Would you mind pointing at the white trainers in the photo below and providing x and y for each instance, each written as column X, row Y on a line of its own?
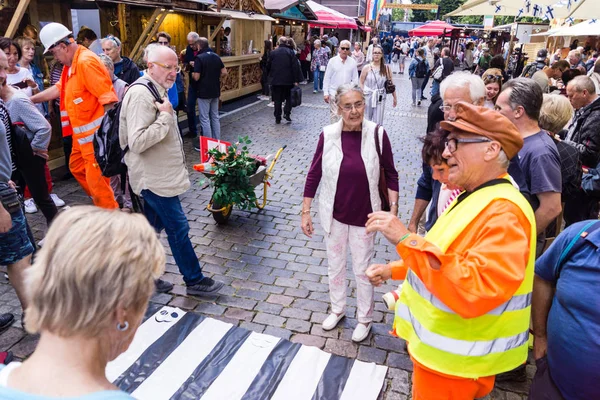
column 30, row 206
column 58, row 202
column 331, row 321
column 361, row 332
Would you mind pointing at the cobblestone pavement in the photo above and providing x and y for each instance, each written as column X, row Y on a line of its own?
column 276, row 278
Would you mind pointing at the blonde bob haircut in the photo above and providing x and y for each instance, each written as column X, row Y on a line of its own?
column 555, row 113
column 93, row 262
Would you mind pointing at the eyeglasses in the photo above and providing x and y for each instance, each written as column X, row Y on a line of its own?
column 359, row 105
column 452, row 144
column 492, row 78
column 345, row 48
column 445, row 108
column 169, row 68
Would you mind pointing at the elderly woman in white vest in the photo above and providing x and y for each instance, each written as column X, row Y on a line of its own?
column 348, row 162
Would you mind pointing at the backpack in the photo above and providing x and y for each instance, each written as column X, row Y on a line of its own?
column 421, row 70
column 107, row 148
column 529, row 70
column 439, row 72
column 575, row 245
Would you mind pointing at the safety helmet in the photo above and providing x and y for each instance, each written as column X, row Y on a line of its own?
column 53, row 33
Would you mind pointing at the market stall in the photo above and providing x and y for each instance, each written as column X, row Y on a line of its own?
column 434, row 28
column 291, row 19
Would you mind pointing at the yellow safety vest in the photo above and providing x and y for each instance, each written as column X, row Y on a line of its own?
column 442, row 340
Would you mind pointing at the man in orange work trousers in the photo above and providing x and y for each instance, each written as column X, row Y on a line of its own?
column 86, row 93
column 465, row 303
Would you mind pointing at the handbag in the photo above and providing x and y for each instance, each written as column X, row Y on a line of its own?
column 309, row 57
column 322, row 68
column 296, row 96
column 9, row 198
column 22, row 132
column 383, row 188
column 389, row 84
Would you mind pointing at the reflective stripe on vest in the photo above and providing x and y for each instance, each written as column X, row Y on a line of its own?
column 457, row 346
column 84, row 140
column 440, row 338
column 92, row 125
column 64, row 114
column 518, row 302
column 64, row 123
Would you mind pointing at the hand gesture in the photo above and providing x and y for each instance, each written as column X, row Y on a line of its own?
column 378, row 273
column 388, row 224
column 165, row 105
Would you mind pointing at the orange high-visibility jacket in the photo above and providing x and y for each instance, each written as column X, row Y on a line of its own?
column 67, row 129
column 87, row 88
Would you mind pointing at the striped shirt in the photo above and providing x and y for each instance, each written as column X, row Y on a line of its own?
column 7, row 127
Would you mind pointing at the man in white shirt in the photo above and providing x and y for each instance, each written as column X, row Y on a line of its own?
column 370, row 49
column 341, row 69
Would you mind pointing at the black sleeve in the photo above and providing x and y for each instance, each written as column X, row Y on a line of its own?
column 197, row 65
column 590, row 138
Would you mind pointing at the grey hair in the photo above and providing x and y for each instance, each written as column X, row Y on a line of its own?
column 575, row 53
column 581, row 83
column 193, row 36
column 343, row 90
column 346, row 42
column 503, row 159
column 108, row 63
column 317, row 42
column 465, row 79
column 282, row 41
column 358, row 43
column 150, row 49
column 112, row 39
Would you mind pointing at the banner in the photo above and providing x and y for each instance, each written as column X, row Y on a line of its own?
column 207, row 143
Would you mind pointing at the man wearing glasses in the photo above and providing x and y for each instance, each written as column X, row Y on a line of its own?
column 465, row 304
column 341, row 70
column 156, row 164
column 208, row 72
column 86, row 93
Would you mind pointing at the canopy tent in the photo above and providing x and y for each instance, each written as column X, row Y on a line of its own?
column 586, row 28
column 537, row 8
column 329, row 18
column 435, row 28
column 290, row 9
column 547, row 33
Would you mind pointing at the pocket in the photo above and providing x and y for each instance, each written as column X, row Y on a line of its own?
column 83, row 104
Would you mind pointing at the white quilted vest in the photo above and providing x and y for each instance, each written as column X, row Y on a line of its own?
column 332, row 160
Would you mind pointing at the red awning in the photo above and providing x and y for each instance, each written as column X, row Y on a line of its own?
column 328, row 18
column 365, row 28
column 435, row 28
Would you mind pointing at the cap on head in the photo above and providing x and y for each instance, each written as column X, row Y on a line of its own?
column 542, row 55
column 53, row 33
column 486, row 122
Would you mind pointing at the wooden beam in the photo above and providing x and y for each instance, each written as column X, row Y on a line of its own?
column 16, row 18
column 212, row 36
column 154, row 29
column 122, row 17
column 260, row 7
column 140, row 40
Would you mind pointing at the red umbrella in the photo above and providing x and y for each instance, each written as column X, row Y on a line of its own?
column 327, row 17
column 435, row 28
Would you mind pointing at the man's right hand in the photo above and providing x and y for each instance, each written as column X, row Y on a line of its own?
column 540, row 347
column 326, row 98
column 165, row 105
column 5, row 221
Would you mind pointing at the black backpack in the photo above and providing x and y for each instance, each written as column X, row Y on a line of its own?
column 421, row 70
column 107, row 148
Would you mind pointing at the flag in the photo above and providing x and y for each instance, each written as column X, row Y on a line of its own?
column 180, row 355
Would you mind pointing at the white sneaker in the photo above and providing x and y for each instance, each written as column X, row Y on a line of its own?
column 331, row 321
column 30, row 206
column 303, row 82
column 361, row 332
column 58, row 202
column 314, row 91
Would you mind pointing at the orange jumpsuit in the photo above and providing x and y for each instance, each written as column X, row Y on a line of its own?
column 472, row 280
column 85, row 89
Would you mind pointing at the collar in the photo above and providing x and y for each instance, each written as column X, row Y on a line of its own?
column 73, row 68
column 594, row 237
column 206, row 50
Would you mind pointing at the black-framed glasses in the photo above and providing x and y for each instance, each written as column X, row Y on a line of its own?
column 493, row 78
column 345, row 48
column 452, row 143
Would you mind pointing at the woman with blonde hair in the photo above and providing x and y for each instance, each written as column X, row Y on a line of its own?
column 492, row 79
column 372, row 82
column 88, row 288
column 350, row 157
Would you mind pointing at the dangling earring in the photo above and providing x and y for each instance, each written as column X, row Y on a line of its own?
column 122, row 328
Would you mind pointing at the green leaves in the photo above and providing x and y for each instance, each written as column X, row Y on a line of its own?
column 230, row 178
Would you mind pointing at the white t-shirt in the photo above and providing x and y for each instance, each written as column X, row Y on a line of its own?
column 404, row 48
column 20, row 76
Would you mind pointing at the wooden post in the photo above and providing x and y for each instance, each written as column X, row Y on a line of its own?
column 219, row 6
column 140, row 40
column 16, row 18
column 212, row 36
column 122, row 17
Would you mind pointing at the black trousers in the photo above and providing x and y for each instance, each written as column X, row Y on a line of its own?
column 306, row 74
column 280, row 94
column 67, row 148
column 425, row 82
column 30, row 172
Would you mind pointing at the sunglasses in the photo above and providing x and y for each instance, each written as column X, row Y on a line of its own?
column 345, row 48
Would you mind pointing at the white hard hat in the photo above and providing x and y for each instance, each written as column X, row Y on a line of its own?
column 53, row 33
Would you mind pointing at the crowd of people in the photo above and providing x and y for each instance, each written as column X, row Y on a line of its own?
column 504, row 161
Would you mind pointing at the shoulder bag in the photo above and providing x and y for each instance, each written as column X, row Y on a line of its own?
column 389, row 84
column 383, row 188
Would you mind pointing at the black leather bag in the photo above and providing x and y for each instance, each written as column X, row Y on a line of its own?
column 389, row 84
column 296, row 96
column 383, row 188
column 10, row 198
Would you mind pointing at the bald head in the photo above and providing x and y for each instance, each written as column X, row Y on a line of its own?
column 581, row 91
column 162, row 65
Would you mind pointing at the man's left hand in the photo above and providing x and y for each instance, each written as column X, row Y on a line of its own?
column 326, row 98
column 388, row 224
column 378, row 273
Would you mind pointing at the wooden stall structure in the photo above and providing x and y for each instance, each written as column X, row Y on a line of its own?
column 291, row 19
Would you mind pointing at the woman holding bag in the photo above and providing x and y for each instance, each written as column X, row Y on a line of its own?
column 373, row 82
column 352, row 157
column 318, row 65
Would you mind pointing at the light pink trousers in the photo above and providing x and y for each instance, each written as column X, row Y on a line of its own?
column 362, row 246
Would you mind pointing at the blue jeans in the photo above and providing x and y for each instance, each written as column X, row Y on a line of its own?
column 318, row 77
column 208, row 110
column 166, row 213
column 191, row 110
column 435, row 88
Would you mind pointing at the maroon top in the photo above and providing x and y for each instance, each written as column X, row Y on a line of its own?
column 352, row 201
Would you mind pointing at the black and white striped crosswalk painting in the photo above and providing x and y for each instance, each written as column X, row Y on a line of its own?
column 179, row 355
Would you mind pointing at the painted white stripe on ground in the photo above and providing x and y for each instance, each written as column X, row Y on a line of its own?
column 146, row 335
column 175, row 370
column 236, row 378
column 303, row 375
column 362, row 372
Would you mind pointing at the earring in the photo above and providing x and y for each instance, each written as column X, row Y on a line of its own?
column 122, row 328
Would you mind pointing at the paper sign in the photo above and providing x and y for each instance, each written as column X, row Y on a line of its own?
column 207, row 143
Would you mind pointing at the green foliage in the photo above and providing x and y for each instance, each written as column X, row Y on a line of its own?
column 230, row 178
column 445, row 7
column 397, row 14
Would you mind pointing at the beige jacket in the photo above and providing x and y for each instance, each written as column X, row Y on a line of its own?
column 155, row 159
